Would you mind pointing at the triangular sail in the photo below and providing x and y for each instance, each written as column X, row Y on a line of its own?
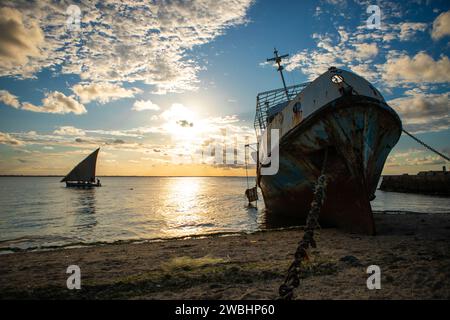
column 85, row 170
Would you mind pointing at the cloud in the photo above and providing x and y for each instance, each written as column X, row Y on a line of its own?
column 136, row 132
column 82, row 140
column 344, row 50
column 414, row 158
column 18, row 41
column 225, row 120
column 9, row 99
column 441, row 26
column 422, row 112
column 336, row 2
column 96, row 141
column 409, row 29
column 365, row 71
column 350, row 44
column 312, row 63
column 388, row 32
column 118, row 141
column 6, row 138
column 147, row 41
column 69, row 131
column 170, row 143
column 366, row 50
column 400, row 68
column 102, row 92
column 56, row 102
column 142, row 105
column 186, row 134
column 185, row 123
column 176, row 112
column 429, row 160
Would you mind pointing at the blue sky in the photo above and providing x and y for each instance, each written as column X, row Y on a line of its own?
column 135, row 73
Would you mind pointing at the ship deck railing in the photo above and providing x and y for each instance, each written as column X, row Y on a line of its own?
column 269, row 99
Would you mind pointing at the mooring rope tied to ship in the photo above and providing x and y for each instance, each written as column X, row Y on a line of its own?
column 426, row 145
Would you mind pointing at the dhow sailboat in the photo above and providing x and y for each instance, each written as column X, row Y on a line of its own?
column 83, row 175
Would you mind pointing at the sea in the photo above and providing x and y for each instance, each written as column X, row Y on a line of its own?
column 40, row 213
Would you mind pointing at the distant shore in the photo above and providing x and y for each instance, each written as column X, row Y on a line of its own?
column 412, row 251
column 61, row 176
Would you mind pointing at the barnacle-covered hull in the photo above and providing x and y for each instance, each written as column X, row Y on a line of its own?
column 358, row 132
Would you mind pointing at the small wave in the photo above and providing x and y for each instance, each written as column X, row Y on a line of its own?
column 196, row 225
column 406, row 212
column 36, row 239
column 13, row 249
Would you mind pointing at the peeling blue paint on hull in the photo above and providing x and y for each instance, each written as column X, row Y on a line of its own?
column 359, row 132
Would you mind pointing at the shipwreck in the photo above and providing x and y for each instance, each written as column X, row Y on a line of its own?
column 338, row 124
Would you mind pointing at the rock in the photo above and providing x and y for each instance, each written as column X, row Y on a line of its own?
column 234, row 269
column 438, row 285
column 215, row 286
column 351, row 260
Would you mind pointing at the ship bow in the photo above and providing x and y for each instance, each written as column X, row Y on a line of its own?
column 358, row 133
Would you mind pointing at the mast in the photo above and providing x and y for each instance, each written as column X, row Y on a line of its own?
column 278, row 59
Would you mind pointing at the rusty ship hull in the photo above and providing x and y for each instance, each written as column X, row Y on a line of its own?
column 358, row 130
column 359, row 133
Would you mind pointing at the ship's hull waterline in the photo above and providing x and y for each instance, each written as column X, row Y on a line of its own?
column 358, row 132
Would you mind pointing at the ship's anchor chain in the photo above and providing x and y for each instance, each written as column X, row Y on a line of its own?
column 292, row 281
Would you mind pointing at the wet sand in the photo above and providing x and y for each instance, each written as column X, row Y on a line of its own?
column 412, row 250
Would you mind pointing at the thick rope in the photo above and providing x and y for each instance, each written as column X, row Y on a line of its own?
column 426, row 146
column 292, row 281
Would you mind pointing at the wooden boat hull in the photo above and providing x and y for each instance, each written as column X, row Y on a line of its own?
column 82, row 185
column 359, row 132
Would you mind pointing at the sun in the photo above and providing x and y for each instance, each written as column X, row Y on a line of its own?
column 182, row 123
column 188, row 132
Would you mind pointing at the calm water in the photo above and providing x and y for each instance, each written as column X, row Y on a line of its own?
column 38, row 212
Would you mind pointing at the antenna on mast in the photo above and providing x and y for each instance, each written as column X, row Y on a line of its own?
column 277, row 59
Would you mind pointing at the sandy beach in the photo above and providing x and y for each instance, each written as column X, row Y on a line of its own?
column 412, row 250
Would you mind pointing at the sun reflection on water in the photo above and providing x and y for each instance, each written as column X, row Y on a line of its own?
column 185, row 214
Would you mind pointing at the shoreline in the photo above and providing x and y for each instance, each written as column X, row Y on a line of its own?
column 78, row 245
column 412, row 250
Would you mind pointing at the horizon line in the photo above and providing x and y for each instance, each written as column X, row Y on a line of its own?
column 121, row 176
